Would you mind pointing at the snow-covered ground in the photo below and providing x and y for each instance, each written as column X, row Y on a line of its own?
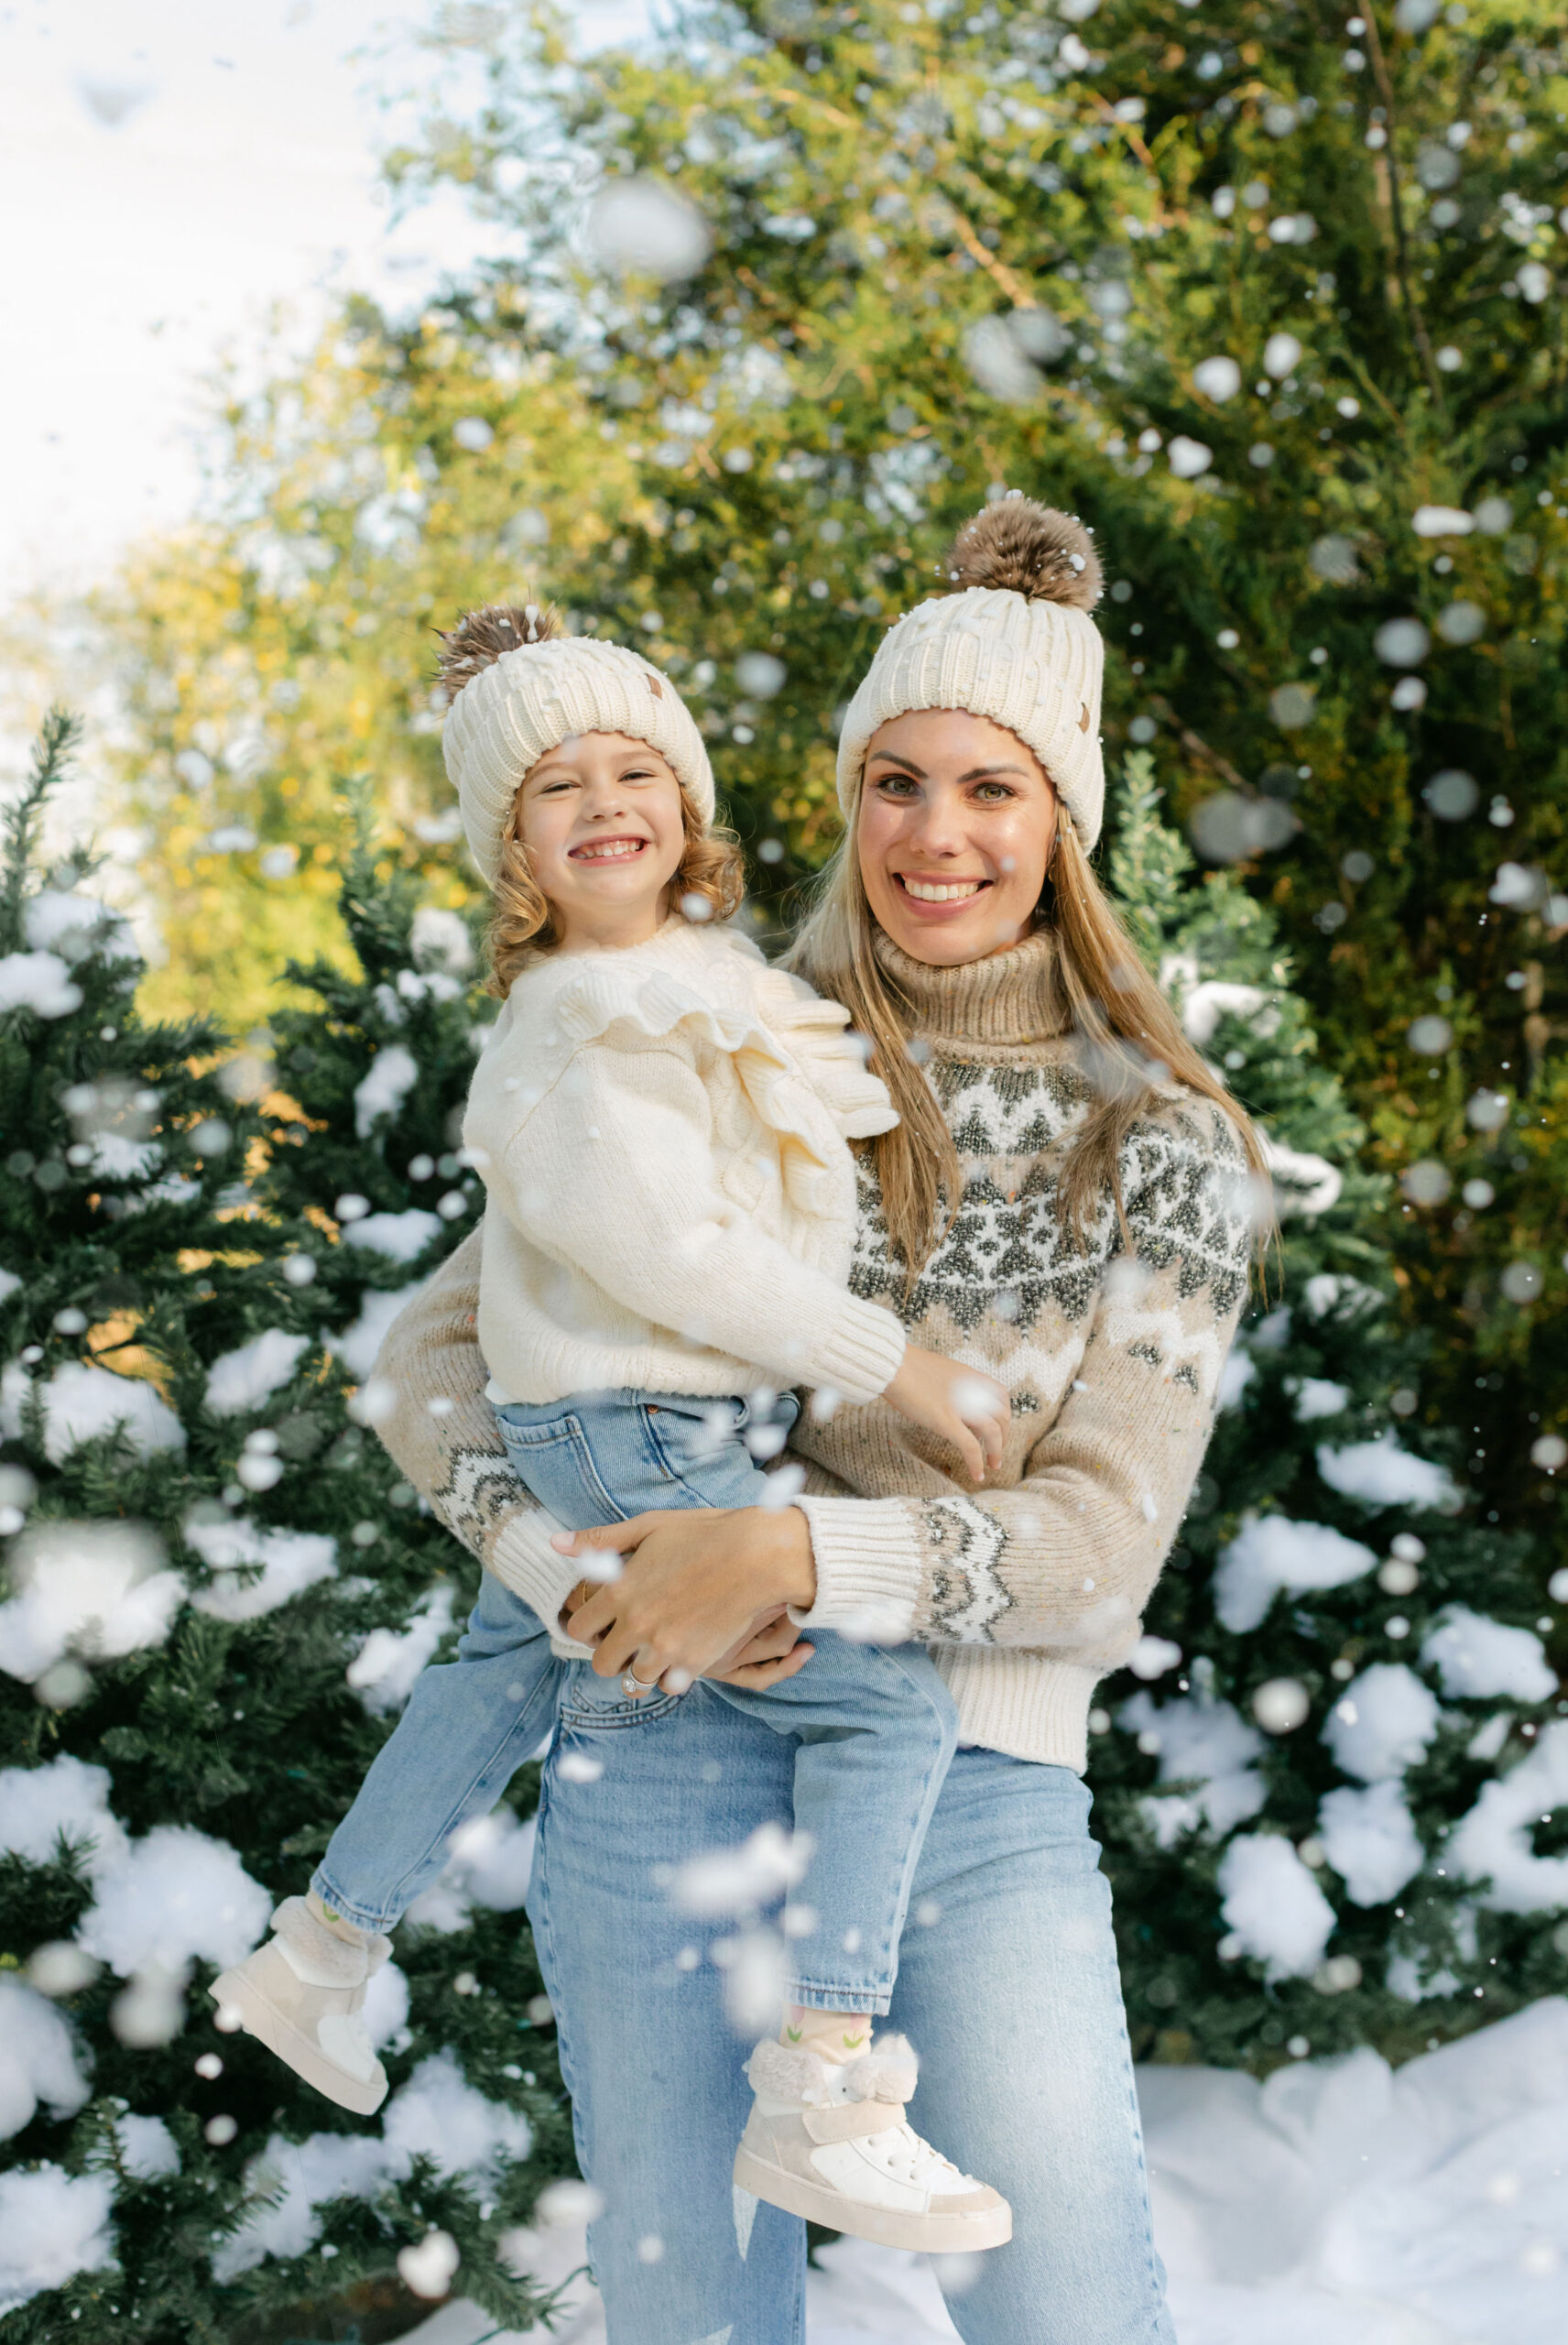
column 1339, row 2204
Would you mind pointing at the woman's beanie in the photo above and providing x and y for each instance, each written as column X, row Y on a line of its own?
column 516, row 686
column 1016, row 644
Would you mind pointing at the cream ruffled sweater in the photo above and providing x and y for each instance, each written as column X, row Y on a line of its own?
column 1031, row 1589
column 663, row 1135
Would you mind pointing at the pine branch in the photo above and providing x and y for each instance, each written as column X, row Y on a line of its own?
column 1150, row 862
column 57, row 738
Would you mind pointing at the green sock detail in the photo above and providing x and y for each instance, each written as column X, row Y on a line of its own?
column 794, row 2034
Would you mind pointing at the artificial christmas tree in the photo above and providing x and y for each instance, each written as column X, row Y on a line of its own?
column 216, row 1598
column 1328, row 1805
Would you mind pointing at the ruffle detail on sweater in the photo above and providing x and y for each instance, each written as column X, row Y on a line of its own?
column 818, row 1032
column 804, row 1078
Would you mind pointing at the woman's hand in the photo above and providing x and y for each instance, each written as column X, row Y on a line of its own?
column 772, row 1653
column 695, row 1587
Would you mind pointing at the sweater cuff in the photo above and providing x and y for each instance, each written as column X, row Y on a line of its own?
column 861, row 1352
column 523, row 1560
column 868, row 1569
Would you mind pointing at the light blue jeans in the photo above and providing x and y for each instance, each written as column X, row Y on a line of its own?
column 872, row 1730
column 1008, row 1986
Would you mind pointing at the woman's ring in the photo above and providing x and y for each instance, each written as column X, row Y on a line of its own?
column 632, row 1685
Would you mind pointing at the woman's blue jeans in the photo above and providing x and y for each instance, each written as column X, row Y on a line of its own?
column 1008, row 1986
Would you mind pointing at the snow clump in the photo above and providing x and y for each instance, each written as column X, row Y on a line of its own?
column 440, row 2115
column 440, row 940
column 383, row 1671
column 358, row 1344
column 289, row 1561
column 1383, row 1473
column 1318, row 1396
column 489, row 1864
column 82, row 1401
column 393, row 1074
column 1271, row 1553
column 1492, row 1842
column 1272, row 1907
column 52, row 2226
column 1369, row 1839
column 77, row 924
column 1383, row 1723
column 66, row 1800
column 1214, row 1000
column 39, row 982
column 240, row 1381
column 401, row 1237
column 1304, row 1183
column 147, row 2146
column 1206, row 1743
column 1478, row 1658
column 37, row 2058
column 175, row 1897
column 93, row 1588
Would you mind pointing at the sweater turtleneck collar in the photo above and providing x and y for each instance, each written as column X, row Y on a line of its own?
column 1009, row 1001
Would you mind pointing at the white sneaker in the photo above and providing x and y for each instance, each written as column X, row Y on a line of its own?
column 302, row 1995
column 831, row 2143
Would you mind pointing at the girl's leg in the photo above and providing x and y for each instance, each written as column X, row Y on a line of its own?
column 655, row 2070
column 1010, row 1990
column 468, row 1728
column 876, row 1731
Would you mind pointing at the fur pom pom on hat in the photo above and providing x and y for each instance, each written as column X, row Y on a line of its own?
column 1014, row 643
column 517, row 685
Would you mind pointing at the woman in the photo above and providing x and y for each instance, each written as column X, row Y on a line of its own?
column 1067, row 1203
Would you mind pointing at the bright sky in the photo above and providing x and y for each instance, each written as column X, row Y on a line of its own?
column 171, row 171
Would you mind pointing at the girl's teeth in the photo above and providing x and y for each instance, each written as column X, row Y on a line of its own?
column 925, row 892
column 609, row 854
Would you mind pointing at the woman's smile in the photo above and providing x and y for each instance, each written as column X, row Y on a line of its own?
column 938, row 892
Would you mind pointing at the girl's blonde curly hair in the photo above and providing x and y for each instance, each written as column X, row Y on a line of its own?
column 708, row 883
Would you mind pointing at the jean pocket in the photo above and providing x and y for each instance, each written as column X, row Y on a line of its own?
column 556, row 1462
column 699, row 1450
column 595, row 1705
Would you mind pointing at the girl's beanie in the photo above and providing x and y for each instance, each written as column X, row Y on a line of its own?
column 1016, row 644
column 517, row 685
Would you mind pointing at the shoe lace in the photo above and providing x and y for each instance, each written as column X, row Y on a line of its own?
column 910, row 2158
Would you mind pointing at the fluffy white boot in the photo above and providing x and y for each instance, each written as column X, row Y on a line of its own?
column 831, row 2143
column 302, row 1995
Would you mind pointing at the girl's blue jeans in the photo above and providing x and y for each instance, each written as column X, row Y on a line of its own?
column 870, row 1731
column 1007, row 1986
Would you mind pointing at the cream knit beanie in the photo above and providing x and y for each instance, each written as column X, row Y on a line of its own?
column 1016, row 644
column 518, row 685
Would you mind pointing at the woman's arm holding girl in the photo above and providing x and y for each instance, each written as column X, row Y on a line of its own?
column 1069, row 1556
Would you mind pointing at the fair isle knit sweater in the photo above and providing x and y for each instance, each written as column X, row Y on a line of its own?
column 1030, row 1589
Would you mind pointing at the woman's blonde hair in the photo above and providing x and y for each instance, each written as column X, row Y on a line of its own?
column 1129, row 1040
column 522, row 924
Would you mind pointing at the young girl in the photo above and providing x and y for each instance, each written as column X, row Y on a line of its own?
column 661, row 1121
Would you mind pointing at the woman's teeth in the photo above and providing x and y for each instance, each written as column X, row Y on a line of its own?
column 931, row 891
column 610, row 851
